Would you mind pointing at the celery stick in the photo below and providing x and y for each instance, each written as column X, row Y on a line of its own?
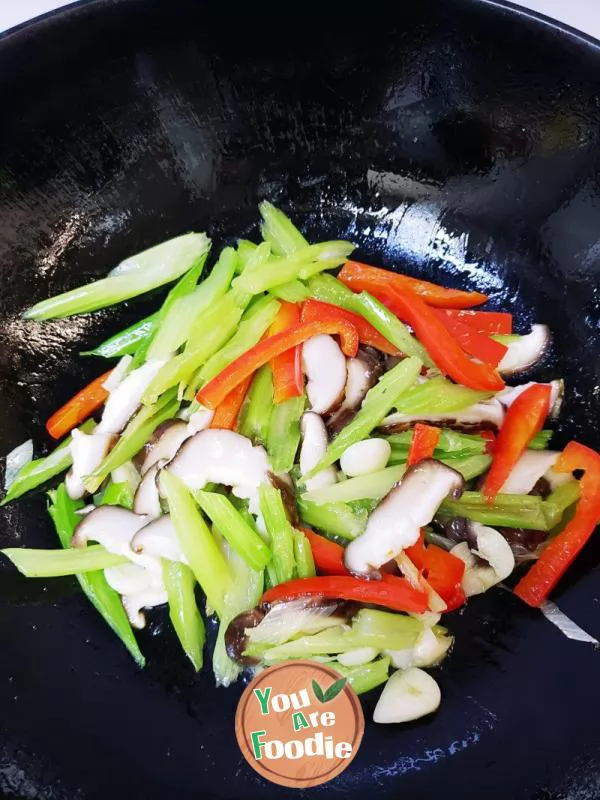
column 291, row 292
column 469, row 466
column 256, row 411
column 116, row 494
column 377, row 403
column 245, row 248
column 450, row 442
column 336, row 519
column 279, row 530
column 139, row 429
column 305, row 565
column 506, row 338
column 40, row 470
column 137, row 274
column 541, row 440
column 240, row 535
column 94, row 585
column 365, row 677
column 280, row 231
column 283, row 433
column 374, row 485
column 507, row 510
column 188, row 624
column 331, row 640
column 196, row 541
column 55, row 563
column 125, row 342
column 558, row 501
column 438, row 396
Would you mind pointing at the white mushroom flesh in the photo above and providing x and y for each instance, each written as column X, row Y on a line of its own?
column 124, row 401
column 200, row 420
column 167, row 445
column 491, row 547
column 533, row 465
column 148, row 598
column 489, row 414
column 557, row 389
column 324, row 365
column 88, row 451
column 397, row 520
column 526, row 351
column 159, row 539
column 312, row 450
column 428, row 651
column 118, row 373
column 126, row 473
column 408, row 694
column 147, row 497
column 367, row 456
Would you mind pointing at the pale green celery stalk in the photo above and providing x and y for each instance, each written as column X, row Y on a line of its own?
column 127, row 341
column 469, row 466
column 279, row 230
column 245, row 248
column 215, row 327
column 240, row 535
column 196, row 541
column 94, row 585
column 315, row 267
column 506, row 338
column 139, row 429
column 541, row 440
column 438, row 396
column 365, row 677
column 244, row 592
column 116, row 494
column 256, row 411
column 329, row 290
column 138, row 274
column 291, row 292
column 253, row 325
column 55, row 563
column 507, row 510
column 180, row 319
column 279, row 530
column 283, row 433
column 260, row 255
column 560, row 500
column 186, row 619
column 305, row 564
column 40, row 470
column 450, row 442
column 376, row 405
column 373, row 485
column 276, row 271
column 336, row 519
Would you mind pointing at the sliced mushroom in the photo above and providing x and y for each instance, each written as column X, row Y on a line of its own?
column 284, row 483
column 236, row 635
column 397, row 520
column 118, row 373
column 312, row 450
column 478, row 417
column 428, row 651
column 88, row 451
column 126, row 473
column 491, row 547
column 159, row 539
column 111, row 526
column 508, row 395
column 128, row 578
column 363, row 372
column 526, row 352
column 167, row 445
column 148, row 598
column 533, row 465
column 522, row 542
column 123, row 402
column 367, row 456
column 408, row 694
column 200, row 420
column 325, row 367
column 146, row 501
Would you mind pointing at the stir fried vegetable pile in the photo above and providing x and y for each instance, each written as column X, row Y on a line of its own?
column 326, row 465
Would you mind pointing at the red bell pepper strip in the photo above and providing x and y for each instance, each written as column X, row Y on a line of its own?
column 490, row 441
column 228, row 411
column 442, row 570
column 476, row 344
column 439, row 343
column 423, row 443
column 288, row 380
column 490, row 322
column 78, row 408
column 354, row 274
column 313, row 310
column 327, row 555
column 523, row 420
column 216, row 390
column 561, row 551
column 391, row 591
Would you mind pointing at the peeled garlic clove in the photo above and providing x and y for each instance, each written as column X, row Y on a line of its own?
column 367, row 456
column 408, row 694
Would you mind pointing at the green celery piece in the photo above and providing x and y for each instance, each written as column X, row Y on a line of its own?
column 366, row 676
column 291, row 292
column 279, row 530
column 214, row 328
column 196, row 541
column 186, row 619
column 254, row 323
column 116, row 494
column 254, row 417
column 94, row 585
column 283, row 433
column 139, row 429
column 245, row 248
column 558, row 501
column 241, row 536
column 470, row 466
column 336, row 519
column 55, row 563
column 506, row 338
column 438, row 396
column 178, row 321
column 376, row 405
column 373, row 485
column 276, row 271
column 136, row 275
column 126, row 342
column 507, row 510
column 305, row 564
column 280, row 231
column 450, row 442
column 331, row 640
column 329, row 290
column 40, row 470
column 541, row 440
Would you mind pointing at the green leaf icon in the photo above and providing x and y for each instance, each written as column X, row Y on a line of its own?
column 334, row 689
column 318, row 692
